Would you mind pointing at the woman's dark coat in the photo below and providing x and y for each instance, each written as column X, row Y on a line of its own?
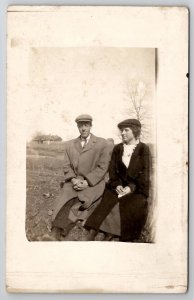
column 133, row 206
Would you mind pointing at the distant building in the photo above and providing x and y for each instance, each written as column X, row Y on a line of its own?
column 47, row 139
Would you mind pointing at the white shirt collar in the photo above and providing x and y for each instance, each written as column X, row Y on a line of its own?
column 84, row 142
column 87, row 139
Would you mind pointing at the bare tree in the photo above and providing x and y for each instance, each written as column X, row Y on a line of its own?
column 135, row 94
column 135, row 91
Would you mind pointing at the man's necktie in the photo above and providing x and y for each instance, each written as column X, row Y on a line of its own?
column 84, row 142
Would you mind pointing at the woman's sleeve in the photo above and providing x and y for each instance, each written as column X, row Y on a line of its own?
column 143, row 178
column 113, row 172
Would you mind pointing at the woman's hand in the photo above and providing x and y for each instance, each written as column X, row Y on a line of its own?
column 119, row 189
column 123, row 190
column 127, row 190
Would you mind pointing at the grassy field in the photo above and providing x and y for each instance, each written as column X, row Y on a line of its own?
column 44, row 173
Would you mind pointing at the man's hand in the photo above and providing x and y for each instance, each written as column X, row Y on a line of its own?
column 80, row 185
column 75, row 181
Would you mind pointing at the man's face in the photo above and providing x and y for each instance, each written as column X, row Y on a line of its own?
column 84, row 129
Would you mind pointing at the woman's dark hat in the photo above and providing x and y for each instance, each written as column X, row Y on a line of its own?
column 128, row 123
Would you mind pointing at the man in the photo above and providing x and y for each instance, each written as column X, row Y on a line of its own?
column 85, row 167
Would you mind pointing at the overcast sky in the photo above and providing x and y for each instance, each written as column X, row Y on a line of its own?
column 66, row 82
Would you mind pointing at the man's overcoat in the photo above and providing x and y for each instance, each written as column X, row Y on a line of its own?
column 90, row 163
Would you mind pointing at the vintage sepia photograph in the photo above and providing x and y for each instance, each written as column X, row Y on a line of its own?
column 90, row 156
column 97, row 149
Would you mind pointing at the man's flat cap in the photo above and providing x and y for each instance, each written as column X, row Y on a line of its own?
column 83, row 118
column 129, row 122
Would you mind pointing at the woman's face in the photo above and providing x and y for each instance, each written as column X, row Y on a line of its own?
column 127, row 135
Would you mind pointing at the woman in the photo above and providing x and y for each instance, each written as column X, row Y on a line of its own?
column 123, row 209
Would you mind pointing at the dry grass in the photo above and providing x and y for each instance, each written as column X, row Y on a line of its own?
column 44, row 174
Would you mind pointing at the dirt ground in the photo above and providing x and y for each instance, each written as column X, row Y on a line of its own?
column 44, row 173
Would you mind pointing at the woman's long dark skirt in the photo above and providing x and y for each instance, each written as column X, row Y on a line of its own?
column 133, row 213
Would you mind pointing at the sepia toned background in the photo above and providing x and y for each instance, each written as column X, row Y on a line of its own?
column 101, row 81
